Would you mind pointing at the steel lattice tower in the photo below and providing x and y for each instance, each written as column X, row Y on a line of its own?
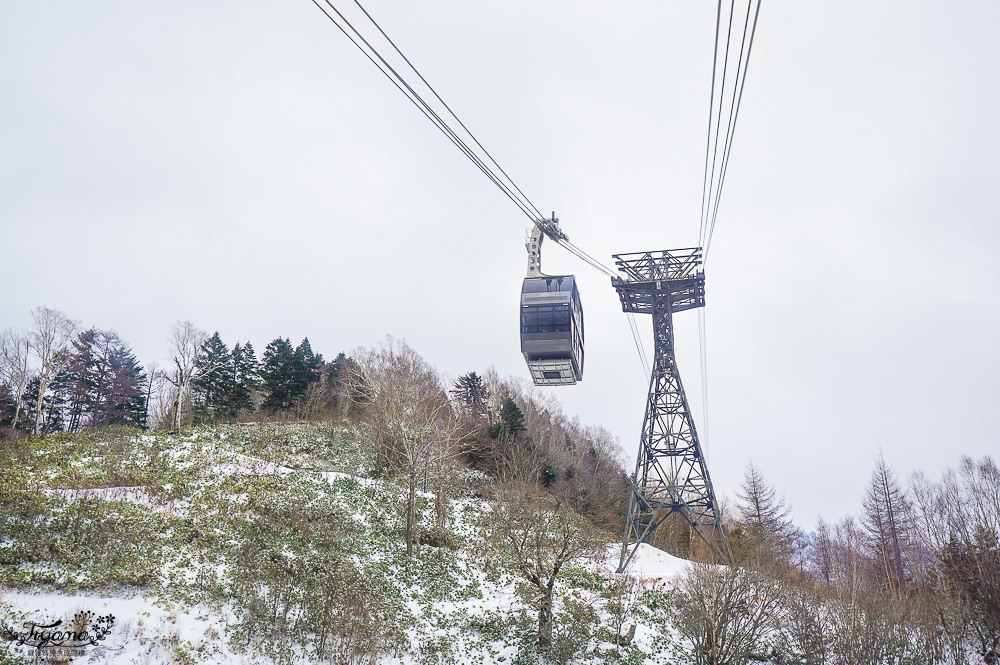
column 670, row 474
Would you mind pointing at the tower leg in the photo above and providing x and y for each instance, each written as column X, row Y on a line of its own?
column 670, row 475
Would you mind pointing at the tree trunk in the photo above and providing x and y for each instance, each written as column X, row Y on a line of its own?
column 411, row 512
column 177, row 410
column 440, row 501
column 545, row 621
column 17, row 408
column 43, row 385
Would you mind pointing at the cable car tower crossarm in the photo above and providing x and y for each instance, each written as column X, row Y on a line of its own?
column 671, row 475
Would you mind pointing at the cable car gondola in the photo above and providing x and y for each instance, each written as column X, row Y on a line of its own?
column 551, row 317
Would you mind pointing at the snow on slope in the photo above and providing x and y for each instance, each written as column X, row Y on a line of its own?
column 481, row 618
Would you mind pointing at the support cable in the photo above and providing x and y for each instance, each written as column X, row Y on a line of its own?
column 718, row 120
column 429, row 87
column 638, row 344
column 731, row 132
column 524, row 205
column 708, row 137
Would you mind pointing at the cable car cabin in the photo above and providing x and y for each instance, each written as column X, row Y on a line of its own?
column 552, row 330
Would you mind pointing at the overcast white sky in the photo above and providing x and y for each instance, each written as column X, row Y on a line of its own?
column 242, row 166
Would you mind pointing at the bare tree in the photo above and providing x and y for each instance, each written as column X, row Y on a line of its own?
column 623, row 593
column 185, row 342
column 449, row 435
column 408, row 412
column 537, row 536
column 725, row 613
column 158, row 398
column 49, row 341
column 15, row 371
column 765, row 517
column 966, row 507
column 888, row 521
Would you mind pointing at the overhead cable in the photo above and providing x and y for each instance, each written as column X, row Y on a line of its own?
column 729, row 88
column 510, row 190
column 731, row 130
column 443, row 103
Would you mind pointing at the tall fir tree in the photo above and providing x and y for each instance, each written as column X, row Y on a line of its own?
column 308, row 367
column 7, row 407
column 213, row 382
column 288, row 373
column 246, row 380
column 103, row 383
column 278, row 375
column 471, row 393
column 81, row 387
column 126, row 394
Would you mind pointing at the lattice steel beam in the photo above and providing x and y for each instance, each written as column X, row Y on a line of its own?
column 670, row 474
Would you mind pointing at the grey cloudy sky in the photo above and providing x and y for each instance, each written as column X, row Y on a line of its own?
column 242, row 166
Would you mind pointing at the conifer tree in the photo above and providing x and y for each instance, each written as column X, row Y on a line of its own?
column 125, row 402
column 213, row 382
column 246, row 380
column 308, row 367
column 81, row 386
column 470, row 391
column 7, row 408
column 103, row 383
column 765, row 517
column 278, row 375
column 511, row 421
column 888, row 523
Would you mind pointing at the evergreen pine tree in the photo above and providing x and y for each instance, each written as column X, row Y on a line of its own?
column 308, row 368
column 126, row 393
column 511, row 421
column 81, row 388
column 213, row 379
column 7, row 408
column 246, row 380
column 470, row 391
column 103, row 383
column 279, row 375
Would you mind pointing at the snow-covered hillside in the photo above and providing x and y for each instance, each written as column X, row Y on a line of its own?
column 263, row 543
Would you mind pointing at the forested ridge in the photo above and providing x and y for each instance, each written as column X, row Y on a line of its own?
column 481, row 480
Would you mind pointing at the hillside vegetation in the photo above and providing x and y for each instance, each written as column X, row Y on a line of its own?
column 365, row 510
column 278, row 539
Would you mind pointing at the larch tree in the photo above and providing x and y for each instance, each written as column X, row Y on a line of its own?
column 888, row 522
column 49, row 339
column 765, row 517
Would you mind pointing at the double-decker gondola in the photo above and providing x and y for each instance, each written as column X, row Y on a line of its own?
column 551, row 318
